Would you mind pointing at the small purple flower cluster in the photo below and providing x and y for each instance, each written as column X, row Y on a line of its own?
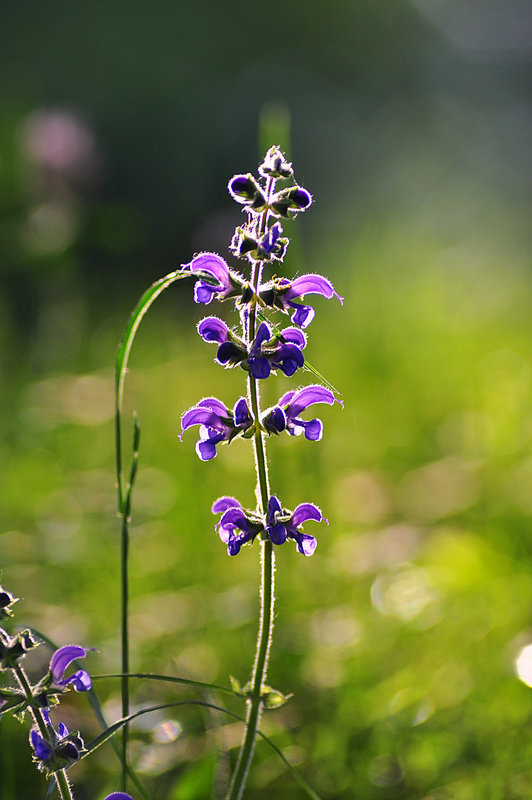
column 53, row 749
column 259, row 347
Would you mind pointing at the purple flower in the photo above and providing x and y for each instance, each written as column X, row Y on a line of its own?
column 234, row 519
column 217, row 424
column 231, row 350
column 266, row 354
column 285, row 415
column 118, row 796
column 60, row 662
column 271, row 246
column 59, row 749
column 282, row 293
column 220, row 283
column 281, row 525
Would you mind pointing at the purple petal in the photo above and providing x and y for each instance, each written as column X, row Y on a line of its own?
column 285, row 398
column 307, row 397
column 294, row 336
column 213, row 264
column 212, row 329
column 278, row 534
column 118, row 796
column 235, row 518
column 229, row 353
column 274, row 506
column 203, row 292
column 311, row 284
column 260, row 367
column 305, row 544
column 313, row 430
column 62, row 730
column 241, row 413
column 80, row 680
column 302, row 197
column 206, row 450
column 234, row 544
column 269, row 240
column 202, row 416
column 215, row 405
column 288, row 358
column 290, row 366
column 304, row 512
column 42, row 749
column 303, row 315
column 62, row 658
column 263, row 334
column 223, row 503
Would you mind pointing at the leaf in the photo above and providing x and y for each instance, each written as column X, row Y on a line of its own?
column 112, row 729
column 168, row 678
column 124, row 349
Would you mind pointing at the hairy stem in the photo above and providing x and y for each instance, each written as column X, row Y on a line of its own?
column 63, row 785
column 260, row 665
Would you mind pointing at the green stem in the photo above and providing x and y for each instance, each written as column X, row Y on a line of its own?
column 124, row 588
column 260, row 665
column 63, row 785
column 124, row 583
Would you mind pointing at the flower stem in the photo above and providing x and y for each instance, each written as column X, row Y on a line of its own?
column 260, row 665
column 63, row 785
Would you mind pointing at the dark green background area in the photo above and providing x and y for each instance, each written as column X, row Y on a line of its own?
column 411, row 125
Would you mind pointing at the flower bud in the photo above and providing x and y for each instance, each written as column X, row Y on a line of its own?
column 14, row 647
column 275, row 165
column 245, row 189
column 293, row 199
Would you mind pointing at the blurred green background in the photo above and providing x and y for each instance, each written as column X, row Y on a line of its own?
column 405, row 637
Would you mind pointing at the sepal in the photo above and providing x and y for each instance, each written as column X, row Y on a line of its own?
column 12, row 700
column 12, row 648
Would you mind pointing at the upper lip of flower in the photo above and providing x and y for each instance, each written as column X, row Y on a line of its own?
column 215, row 266
column 282, row 293
column 59, row 663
